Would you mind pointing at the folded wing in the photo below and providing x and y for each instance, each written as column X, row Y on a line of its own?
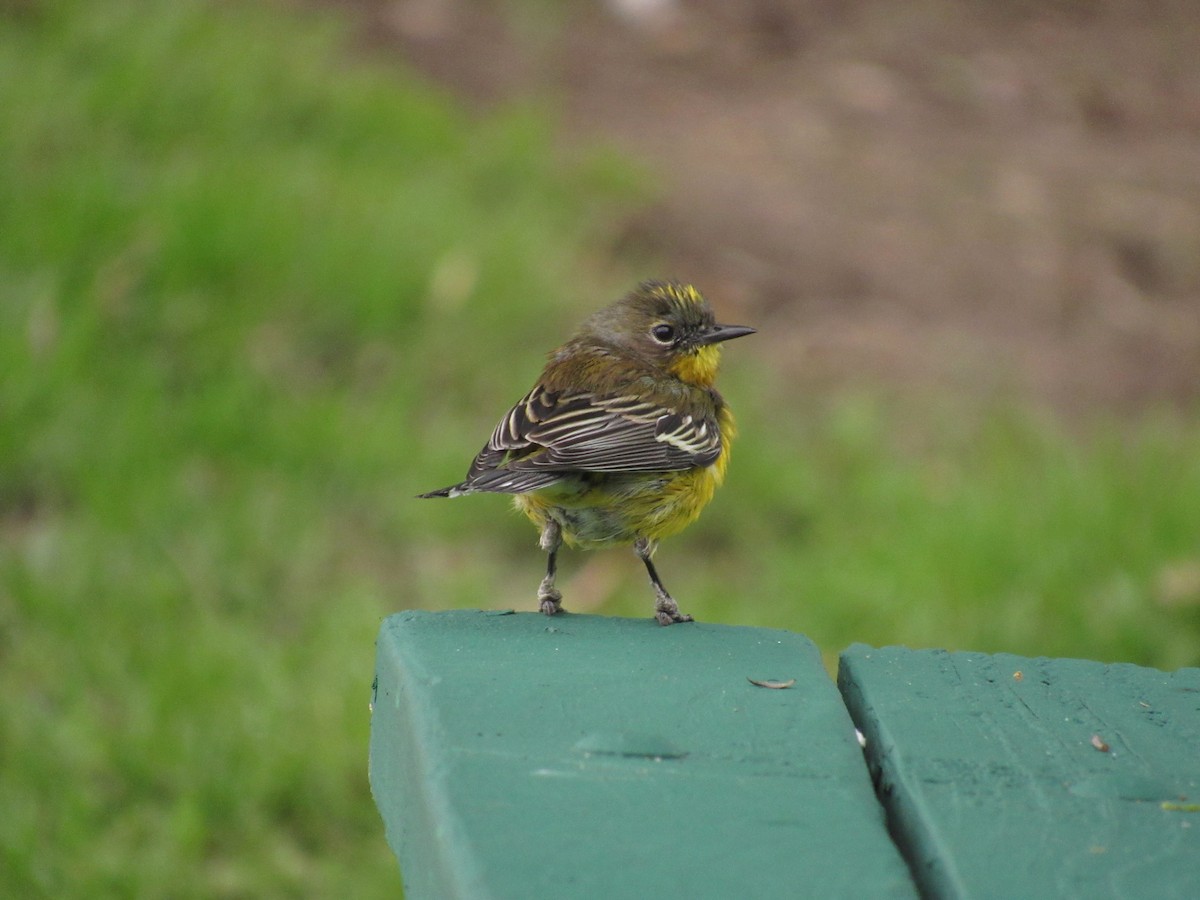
column 549, row 434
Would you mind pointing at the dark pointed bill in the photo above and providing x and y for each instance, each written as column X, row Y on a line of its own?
column 726, row 333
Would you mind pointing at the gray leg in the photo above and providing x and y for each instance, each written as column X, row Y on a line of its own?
column 549, row 597
column 666, row 610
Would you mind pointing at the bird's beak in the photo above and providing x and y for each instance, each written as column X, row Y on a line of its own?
column 725, row 333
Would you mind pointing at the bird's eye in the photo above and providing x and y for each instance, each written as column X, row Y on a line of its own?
column 664, row 334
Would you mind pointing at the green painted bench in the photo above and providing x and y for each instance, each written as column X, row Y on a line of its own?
column 515, row 756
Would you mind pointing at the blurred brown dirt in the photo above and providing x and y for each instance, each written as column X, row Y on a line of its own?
column 996, row 198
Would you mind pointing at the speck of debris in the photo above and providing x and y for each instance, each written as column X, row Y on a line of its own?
column 774, row 685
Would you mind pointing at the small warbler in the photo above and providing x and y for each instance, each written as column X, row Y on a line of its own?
column 623, row 439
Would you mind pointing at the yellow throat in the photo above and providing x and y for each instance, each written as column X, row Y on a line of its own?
column 698, row 368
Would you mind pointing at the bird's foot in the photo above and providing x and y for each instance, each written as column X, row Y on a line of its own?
column 549, row 600
column 665, row 618
column 666, row 610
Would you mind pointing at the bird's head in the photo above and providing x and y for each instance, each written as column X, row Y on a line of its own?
column 671, row 325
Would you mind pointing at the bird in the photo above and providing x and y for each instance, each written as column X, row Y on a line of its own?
column 623, row 439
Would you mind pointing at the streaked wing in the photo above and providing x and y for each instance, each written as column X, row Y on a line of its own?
column 549, row 433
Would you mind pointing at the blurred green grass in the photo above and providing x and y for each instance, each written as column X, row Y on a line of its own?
column 258, row 292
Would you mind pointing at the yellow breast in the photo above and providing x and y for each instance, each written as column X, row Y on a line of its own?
column 689, row 492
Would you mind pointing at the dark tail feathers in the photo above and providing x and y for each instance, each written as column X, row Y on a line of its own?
column 443, row 492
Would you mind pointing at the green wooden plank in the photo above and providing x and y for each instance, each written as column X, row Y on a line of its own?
column 519, row 756
column 1013, row 777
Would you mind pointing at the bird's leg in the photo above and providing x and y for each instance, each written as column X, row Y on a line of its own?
column 666, row 610
column 549, row 597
